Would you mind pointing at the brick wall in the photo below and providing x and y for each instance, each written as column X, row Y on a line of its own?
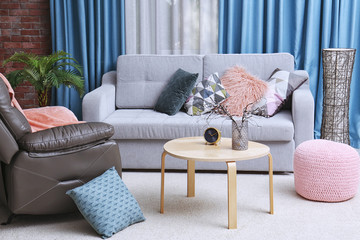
column 24, row 26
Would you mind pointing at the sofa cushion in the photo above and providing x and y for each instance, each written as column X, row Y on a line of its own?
column 260, row 65
column 149, row 124
column 176, row 92
column 281, row 86
column 205, row 95
column 107, row 204
column 141, row 78
column 244, row 89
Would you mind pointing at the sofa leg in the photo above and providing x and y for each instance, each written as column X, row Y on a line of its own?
column 10, row 218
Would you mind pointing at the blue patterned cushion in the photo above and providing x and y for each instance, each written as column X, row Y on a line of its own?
column 106, row 203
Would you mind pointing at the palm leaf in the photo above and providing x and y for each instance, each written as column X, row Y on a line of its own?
column 53, row 79
column 63, row 65
column 28, row 58
column 59, row 56
column 70, row 78
column 15, row 78
column 44, row 72
column 34, row 77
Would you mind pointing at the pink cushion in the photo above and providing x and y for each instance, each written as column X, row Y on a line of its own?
column 243, row 88
column 326, row 171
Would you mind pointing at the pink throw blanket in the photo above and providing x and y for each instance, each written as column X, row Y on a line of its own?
column 45, row 117
column 48, row 117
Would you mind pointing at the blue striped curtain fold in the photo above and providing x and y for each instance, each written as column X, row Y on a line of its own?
column 93, row 32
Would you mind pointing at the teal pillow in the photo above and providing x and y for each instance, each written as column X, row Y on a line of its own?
column 106, row 203
column 176, row 92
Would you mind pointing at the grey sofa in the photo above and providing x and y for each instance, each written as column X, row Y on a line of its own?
column 127, row 97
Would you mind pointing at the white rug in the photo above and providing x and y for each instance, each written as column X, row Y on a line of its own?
column 205, row 216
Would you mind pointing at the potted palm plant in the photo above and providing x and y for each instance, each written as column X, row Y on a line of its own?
column 45, row 72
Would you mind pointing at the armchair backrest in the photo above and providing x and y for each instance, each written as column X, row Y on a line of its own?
column 8, row 146
column 13, row 126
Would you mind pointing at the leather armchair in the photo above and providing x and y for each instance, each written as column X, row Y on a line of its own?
column 36, row 169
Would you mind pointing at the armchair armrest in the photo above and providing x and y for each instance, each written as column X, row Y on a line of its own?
column 302, row 110
column 65, row 137
column 100, row 103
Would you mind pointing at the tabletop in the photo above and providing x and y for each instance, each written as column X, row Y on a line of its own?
column 195, row 148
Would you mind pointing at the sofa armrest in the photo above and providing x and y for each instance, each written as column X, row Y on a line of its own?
column 100, row 103
column 302, row 110
column 303, row 73
column 66, row 137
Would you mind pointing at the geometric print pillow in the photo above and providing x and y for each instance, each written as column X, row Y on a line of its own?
column 281, row 85
column 220, row 94
column 106, row 203
column 205, row 95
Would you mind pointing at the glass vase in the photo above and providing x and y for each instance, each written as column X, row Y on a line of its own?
column 240, row 135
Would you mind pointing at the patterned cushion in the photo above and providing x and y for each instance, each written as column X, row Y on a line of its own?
column 106, row 203
column 205, row 95
column 281, row 85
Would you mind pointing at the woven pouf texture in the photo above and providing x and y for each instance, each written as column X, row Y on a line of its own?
column 326, row 171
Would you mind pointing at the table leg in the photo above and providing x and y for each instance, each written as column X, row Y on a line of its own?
column 271, row 187
column 190, row 178
column 162, row 182
column 232, row 204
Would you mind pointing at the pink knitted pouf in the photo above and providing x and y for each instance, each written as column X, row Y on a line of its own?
column 326, row 171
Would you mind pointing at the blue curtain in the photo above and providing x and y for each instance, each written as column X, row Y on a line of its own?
column 302, row 28
column 92, row 31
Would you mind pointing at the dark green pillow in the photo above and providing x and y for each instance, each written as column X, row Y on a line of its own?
column 176, row 92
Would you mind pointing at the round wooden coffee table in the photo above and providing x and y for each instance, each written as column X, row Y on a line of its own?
column 194, row 149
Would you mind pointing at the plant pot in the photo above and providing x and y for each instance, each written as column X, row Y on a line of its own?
column 240, row 135
column 44, row 97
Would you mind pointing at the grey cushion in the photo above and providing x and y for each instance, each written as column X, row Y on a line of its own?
column 141, row 78
column 260, row 65
column 176, row 92
column 148, row 124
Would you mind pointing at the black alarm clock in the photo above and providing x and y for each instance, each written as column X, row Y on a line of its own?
column 212, row 135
